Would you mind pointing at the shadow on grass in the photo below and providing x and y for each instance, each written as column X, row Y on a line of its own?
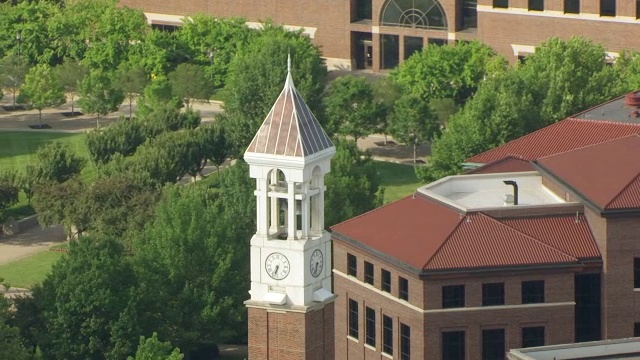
column 394, row 174
column 19, row 211
column 16, row 143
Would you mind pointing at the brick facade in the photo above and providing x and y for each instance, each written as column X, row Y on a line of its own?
column 285, row 334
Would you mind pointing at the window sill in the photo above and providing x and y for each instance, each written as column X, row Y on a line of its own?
column 636, row 289
column 367, row 346
column 388, row 356
column 349, row 337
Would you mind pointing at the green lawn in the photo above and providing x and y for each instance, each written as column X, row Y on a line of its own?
column 399, row 180
column 18, row 148
column 28, row 271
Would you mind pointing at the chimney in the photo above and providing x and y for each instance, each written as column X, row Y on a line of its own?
column 633, row 101
column 514, row 197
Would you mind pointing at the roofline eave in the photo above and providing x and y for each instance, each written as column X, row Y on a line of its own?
column 254, row 158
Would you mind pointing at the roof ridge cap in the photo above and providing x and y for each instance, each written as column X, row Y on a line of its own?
column 435, row 253
column 378, row 208
column 633, row 179
column 588, row 146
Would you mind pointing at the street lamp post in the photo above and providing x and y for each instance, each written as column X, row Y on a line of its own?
column 19, row 40
column 210, row 54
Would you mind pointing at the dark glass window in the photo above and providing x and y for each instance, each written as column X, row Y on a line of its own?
column 370, row 327
column 387, row 335
column 403, row 291
column 638, row 9
column 607, row 7
column 453, row 345
column 636, row 273
column 452, row 296
column 386, row 281
column 501, row 3
column 421, row 14
column 390, row 51
column 572, row 6
column 353, row 318
column 533, row 292
column 532, row 336
column 536, row 5
column 405, row 342
column 493, row 344
column 636, row 329
column 588, row 323
column 412, row 45
column 352, row 265
column 363, row 10
column 469, row 14
column 437, row 42
column 368, row 273
column 493, row 294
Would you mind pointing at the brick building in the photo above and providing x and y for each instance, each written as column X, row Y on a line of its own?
column 379, row 34
column 538, row 245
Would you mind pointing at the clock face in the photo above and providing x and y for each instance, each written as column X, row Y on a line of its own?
column 277, row 266
column 316, row 263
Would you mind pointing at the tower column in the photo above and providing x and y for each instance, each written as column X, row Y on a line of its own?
column 262, row 208
column 291, row 210
column 305, row 211
column 321, row 204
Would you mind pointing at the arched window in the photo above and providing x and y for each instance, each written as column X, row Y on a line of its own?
column 423, row 14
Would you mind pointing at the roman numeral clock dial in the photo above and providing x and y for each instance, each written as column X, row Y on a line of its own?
column 277, row 266
column 316, row 263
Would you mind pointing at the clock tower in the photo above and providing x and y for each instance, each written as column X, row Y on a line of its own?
column 291, row 307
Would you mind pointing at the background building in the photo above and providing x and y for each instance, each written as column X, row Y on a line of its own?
column 380, row 34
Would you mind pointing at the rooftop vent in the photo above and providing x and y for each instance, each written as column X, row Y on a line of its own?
column 633, row 100
column 511, row 198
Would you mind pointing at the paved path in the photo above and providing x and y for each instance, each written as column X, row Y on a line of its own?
column 29, row 242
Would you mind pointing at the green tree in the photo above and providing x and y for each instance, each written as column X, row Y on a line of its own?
column 42, row 89
column 99, row 95
column 256, row 77
column 71, row 73
column 187, row 265
column 10, row 341
column 154, row 349
column 217, row 147
column 122, row 137
column 188, row 82
column 57, row 162
column 86, row 303
column 9, row 191
column 627, row 69
column 353, row 185
column 352, row 109
column 413, row 122
column 131, row 80
column 157, row 95
column 386, row 91
column 159, row 52
column 28, row 181
column 62, row 203
column 167, row 118
column 13, row 70
column 451, row 71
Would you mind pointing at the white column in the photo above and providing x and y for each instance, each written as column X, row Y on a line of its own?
column 291, row 210
column 321, row 204
column 261, row 207
column 305, row 211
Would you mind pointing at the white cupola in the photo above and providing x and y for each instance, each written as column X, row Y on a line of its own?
column 289, row 158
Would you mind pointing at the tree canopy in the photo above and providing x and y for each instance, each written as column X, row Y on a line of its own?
column 42, row 89
column 99, row 95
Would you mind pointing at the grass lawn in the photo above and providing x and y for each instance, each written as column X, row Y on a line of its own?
column 399, row 180
column 26, row 272
column 18, row 148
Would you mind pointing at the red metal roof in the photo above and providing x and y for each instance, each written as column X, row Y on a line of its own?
column 290, row 129
column 505, row 165
column 560, row 137
column 606, row 174
column 428, row 235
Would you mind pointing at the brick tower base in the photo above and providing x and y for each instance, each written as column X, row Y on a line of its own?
column 286, row 334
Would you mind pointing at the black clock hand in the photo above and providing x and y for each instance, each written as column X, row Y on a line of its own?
column 315, row 271
column 275, row 272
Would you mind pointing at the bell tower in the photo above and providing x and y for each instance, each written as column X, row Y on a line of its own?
column 291, row 307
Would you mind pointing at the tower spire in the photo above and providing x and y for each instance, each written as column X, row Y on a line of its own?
column 289, row 81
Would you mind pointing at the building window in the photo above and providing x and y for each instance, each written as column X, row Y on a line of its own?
column 607, row 7
column 422, row 14
column 352, row 265
column 536, row 5
column 636, row 329
column 368, row 272
column 453, row 345
column 501, row 4
column 363, row 10
column 370, row 326
column 452, row 296
column 638, row 9
column 437, row 42
column 493, row 344
column 636, row 273
column 387, row 335
column 403, row 290
column 493, row 294
column 533, row 292
column 572, row 6
column 405, row 342
column 386, row 281
column 353, row 318
column 532, row 336
column 469, row 14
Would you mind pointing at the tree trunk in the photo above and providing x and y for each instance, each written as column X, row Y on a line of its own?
column 40, row 118
column 415, row 151
column 385, row 139
column 130, row 106
column 98, row 122
column 14, row 100
column 73, row 111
